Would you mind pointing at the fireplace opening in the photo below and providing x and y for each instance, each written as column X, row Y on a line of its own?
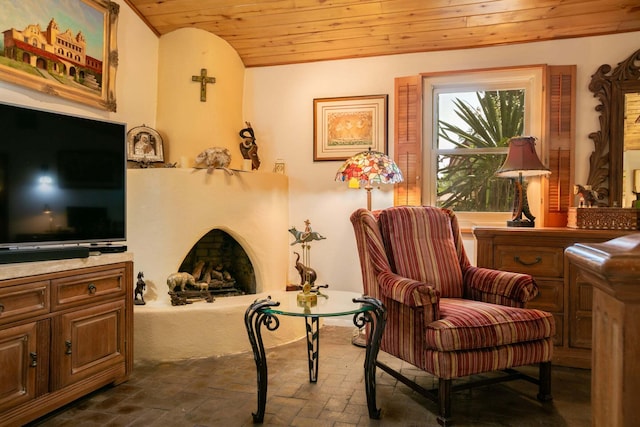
column 219, row 260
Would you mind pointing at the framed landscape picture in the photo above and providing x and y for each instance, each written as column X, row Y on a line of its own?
column 64, row 48
column 346, row 126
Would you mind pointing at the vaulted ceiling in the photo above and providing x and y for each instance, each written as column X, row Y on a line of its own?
column 271, row 32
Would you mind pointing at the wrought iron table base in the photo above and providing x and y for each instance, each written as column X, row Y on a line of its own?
column 257, row 315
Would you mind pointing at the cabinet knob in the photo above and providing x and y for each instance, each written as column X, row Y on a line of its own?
column 34, row 359
column 92, row 288
column 536, row 261
column 67, row 344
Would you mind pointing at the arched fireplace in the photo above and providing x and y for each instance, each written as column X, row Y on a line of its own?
column 219, row 260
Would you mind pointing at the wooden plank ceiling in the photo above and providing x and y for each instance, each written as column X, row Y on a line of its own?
column 271, row 32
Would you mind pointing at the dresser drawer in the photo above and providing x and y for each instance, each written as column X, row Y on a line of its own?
column 87, row 288
column 24, row 301
column 550, row 296
column 537, row 261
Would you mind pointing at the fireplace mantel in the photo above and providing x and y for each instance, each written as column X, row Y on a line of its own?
column 169, row 210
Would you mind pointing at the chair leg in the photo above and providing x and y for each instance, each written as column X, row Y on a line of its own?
column 444, row 402
column 544, row 388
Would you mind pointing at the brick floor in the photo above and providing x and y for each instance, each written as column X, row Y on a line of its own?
column 221, row 391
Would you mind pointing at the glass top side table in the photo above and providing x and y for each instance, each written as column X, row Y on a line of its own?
column 365, row 310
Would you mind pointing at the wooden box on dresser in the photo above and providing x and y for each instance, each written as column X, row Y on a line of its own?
column 540, row 252
column 66, row 329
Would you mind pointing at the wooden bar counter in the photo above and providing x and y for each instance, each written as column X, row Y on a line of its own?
column 613, row 268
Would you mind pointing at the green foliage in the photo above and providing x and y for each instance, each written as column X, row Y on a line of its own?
column 467, row 181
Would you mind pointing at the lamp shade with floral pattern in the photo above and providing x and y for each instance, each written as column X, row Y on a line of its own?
column 369, row 168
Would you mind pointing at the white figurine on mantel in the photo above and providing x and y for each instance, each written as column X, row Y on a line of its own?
column 214, row 158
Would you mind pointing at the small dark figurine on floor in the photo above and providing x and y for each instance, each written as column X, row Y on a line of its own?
column 141, row 286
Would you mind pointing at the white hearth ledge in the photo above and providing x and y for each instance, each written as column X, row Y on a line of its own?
column 203, row 329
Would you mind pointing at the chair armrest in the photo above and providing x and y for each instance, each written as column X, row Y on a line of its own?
column 407, row 291
column 499, row 287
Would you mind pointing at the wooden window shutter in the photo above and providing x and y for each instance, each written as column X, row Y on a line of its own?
column 560, row 141
column 407, row 146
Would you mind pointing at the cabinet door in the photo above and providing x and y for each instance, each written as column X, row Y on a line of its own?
column 551, row 298
column 580, row 309
column 89, row 342
column 18, row 361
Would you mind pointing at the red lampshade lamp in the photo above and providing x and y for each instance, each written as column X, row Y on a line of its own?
column 522, row 161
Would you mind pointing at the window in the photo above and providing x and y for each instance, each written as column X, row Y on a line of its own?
column 468, row 118
column 549, row 115
column 473, row 130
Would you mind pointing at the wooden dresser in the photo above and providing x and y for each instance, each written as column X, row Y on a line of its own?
column 66, row 329
column 540, row 252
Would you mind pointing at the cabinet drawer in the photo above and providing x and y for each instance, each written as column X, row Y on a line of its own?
column 87, row 288
column 537, row 261
column 550, row 296
column 24, row 301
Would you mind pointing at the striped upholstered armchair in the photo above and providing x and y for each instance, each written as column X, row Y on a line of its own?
column 444, row 315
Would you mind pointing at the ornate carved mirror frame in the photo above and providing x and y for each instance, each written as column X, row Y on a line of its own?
column 606, row 161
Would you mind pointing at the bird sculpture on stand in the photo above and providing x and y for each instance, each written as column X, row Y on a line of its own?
column 309, row 295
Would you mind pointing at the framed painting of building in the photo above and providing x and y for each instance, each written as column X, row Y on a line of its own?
column 346, row 126
column 61, row 48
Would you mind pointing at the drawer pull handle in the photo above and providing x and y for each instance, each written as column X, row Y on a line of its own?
column 34, row 359
column 92, row 289
column 1, row 308
column 68, row 345
column 517, row 259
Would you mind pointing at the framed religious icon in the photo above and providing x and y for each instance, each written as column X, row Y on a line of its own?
column 346, row 126
column 144, row 145
column 62, row 48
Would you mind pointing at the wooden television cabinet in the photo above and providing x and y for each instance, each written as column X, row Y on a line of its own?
column 66, row 329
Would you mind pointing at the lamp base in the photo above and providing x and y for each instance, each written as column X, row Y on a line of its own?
column 520, row 223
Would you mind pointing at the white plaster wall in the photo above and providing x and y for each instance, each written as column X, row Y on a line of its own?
column 188, row 125
column 279, row 102
column 203, row 330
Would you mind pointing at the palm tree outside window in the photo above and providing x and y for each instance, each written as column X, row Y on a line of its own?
column 468, row 118
column 473, row 133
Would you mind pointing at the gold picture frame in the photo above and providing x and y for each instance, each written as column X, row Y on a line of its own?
column 345, row 126
column 76, row 60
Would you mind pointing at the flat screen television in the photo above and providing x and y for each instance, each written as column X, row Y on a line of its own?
column 62, row 179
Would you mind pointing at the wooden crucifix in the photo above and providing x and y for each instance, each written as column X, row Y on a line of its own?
column 203, row 79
